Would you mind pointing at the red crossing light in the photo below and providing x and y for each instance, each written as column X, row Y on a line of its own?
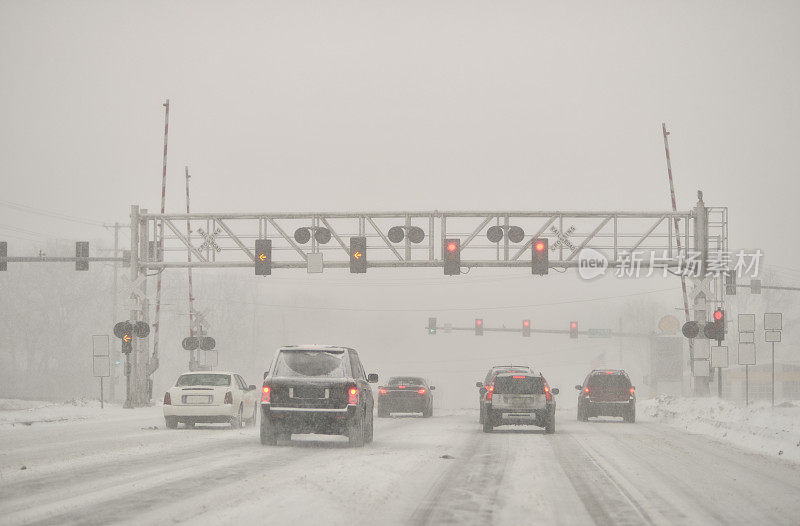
column 718, row 315
column 452, row 247
column 539, row 246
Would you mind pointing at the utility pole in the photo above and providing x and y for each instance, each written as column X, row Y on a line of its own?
column 114, row 377
column 192, row 359
column 677, row 236
column 160, row 255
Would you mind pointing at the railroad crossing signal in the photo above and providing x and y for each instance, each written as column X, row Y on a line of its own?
column 719, row 325
column 451, row 254
column 573, row 329
column 82, row 251
column 540, row 258
column 691, row 329
column 526, row 327
column 263, row 261
column 478, row 326
column 358, row 255
column 431, row 326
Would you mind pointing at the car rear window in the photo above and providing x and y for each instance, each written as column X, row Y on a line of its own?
column 219, row 380
column 609, row 381
column 403, row 380
column 328, row 364
column 518, row 384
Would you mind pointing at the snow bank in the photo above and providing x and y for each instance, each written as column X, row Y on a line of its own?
column 28, row 412
column 760, row 428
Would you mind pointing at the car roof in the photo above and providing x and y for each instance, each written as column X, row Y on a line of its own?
column 512, row 366
column 609, row 371
column 208, row 372
column 518, row 373
column 315, row 347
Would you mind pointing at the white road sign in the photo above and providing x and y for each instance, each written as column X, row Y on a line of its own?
column 100, row 345
column 747, row 354
column 772, row 336
column 747, row 337
column 702, row 349
column 719, row 356
column 101, row 366
column 747, row 322
column 773, row 321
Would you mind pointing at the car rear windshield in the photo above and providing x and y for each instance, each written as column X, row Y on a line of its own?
column 519, row 384
column 609, row 381
column 404, row 380
column 219, row 380
column 327, row 364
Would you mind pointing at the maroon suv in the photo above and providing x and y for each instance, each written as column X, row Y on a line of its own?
column 607, row 393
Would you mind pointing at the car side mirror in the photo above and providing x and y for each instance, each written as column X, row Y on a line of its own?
column 554, row 390
column 578, row 387
column 251, row 387
column 478, row 384
column 372, row 378
column 433, row 387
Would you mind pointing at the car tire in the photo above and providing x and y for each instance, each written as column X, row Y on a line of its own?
column 427, row 412
column 630, row 414
column 481, row 414
column 253, row 420
column 171, row 422
column 268, row 433
column 236, row 421
column 487, row 422
column 583, row 413
column 370, row 430
column 550, row 427
column 355, row 431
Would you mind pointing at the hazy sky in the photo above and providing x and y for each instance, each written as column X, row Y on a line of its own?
column 415, row 105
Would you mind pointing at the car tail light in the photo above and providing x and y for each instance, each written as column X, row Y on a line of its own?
column 167, row 399
column 547, row 393
column 382, row 391
column 586, row 390
column 228, row 397
column 632, row 390
column 489, row 391
column 401, row 386
column 265, row 394
column 352, row 395
column 422, row 390
column 518, row 377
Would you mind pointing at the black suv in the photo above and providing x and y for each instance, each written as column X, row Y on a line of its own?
column 405, row 394
column 317, row 389
column 494, row 371
column 607, row 392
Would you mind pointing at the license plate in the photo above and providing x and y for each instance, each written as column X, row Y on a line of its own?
column 308, row 392
column 198, row 399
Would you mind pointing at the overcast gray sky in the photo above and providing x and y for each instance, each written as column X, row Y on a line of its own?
column 415, row 105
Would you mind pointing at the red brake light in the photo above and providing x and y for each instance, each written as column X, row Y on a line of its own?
column 382, row 391
column 632, row 390
column 228, row 397
column 515, row 376
column 609, row 372
column 401, row 386
column 352, row 397
column 422, row 390
column 547, row 393
column 489, row 391
column 265, row 395
column 167, row 399
column 586, row 390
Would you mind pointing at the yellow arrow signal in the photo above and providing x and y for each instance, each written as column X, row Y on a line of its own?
column 262, row 257
column 357, row 254
column 126, row 338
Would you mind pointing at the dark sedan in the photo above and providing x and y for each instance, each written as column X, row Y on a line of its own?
column 405, row 394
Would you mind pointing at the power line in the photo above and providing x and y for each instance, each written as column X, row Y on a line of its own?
column 49, row 213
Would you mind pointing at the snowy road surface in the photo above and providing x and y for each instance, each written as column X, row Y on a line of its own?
column 119, row 469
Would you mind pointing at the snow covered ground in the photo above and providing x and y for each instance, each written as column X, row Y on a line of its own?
column 757, row 427
column 75, row 463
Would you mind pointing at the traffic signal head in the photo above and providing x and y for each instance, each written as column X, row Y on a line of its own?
column 526, row 327
column 358, row 255
column 263, row 259
column 573, row 329
column 431, row 326
column 719, row 325
column 478, row 327
column 691, row 329
column 540, row 258
column 451, row 256
column 82, row 252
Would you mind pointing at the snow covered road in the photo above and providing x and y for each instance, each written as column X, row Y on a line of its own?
column 418, row 471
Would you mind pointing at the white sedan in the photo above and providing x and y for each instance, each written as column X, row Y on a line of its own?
column 210, row 397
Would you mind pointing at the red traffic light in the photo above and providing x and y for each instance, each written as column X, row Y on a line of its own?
column 718, row 315
column 526, row 323
column 478, row 322
column 452, row 247
column 539, row 246
column 573, row 325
